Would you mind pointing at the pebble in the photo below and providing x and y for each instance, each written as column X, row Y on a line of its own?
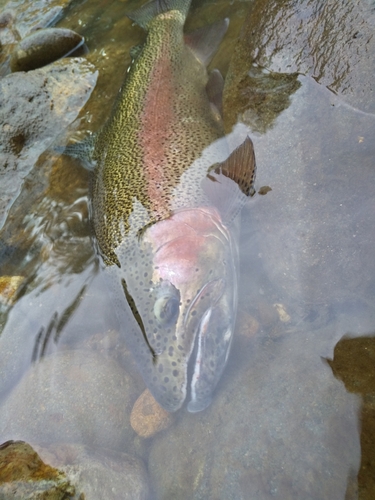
column 9, row 286
column 148, row 417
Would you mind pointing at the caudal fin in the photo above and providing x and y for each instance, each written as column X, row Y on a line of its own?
column 205, row 41
column 144, row 14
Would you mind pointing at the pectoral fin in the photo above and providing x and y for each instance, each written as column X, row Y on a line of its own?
column 230, row 183
column 82, row 150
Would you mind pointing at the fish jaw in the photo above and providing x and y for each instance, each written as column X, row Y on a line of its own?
column 214, row 340
column 193, row 252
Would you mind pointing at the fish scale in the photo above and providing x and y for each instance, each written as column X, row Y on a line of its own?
column 166, row 211
column 124, row 148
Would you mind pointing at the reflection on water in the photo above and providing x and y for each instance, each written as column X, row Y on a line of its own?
column 284, row 423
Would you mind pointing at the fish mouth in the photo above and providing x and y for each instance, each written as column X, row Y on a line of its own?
column 197, row 372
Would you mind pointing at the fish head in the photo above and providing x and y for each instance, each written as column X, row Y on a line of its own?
column 187, row 310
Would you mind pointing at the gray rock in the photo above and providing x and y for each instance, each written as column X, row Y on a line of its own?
column 30, row 16
column 73, row 396
column 35, row 107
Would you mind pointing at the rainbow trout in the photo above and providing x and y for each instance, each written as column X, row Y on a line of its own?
column 165, row 210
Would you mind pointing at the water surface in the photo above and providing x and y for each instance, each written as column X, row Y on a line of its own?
column 293, row 414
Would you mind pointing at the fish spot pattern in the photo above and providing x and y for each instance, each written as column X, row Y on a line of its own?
column 150, row 161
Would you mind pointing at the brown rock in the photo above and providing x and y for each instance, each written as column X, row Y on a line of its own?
column 148, row 417
column 9, row 286
column 23, row 474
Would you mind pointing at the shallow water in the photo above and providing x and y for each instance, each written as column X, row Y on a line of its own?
column 293, row 416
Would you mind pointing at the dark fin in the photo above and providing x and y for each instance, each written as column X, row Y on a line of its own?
column 147, row 12
column 205, row 41
column 82, row 150
column 214, row 89
column 229, row 184
column 138, row 318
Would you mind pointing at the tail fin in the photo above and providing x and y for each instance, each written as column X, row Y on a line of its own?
column 144, row 14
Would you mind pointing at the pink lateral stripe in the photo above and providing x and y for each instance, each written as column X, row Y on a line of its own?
column 156, row 126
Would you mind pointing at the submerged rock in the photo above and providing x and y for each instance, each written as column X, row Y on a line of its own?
column 23, row 475
column 72, row 396
column 148, row 417
column 44, row 47
column 99, row 474
column 69, row 471
column 9, row 286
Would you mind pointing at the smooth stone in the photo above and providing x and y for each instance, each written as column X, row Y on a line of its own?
column 44, row 47
column 73, row 396
column 148, row 417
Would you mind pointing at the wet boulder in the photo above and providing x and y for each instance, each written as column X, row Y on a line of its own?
column 25, row 17
column 35, row 107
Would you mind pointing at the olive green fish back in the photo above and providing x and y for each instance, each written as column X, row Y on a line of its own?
column 161, row 124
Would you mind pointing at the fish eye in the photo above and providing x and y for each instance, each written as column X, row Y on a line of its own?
column 166, row 309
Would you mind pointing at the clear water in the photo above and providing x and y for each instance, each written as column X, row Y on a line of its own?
column 293, row 416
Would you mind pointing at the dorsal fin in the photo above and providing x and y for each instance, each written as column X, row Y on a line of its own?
column 230, row 183
column 205, row 41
